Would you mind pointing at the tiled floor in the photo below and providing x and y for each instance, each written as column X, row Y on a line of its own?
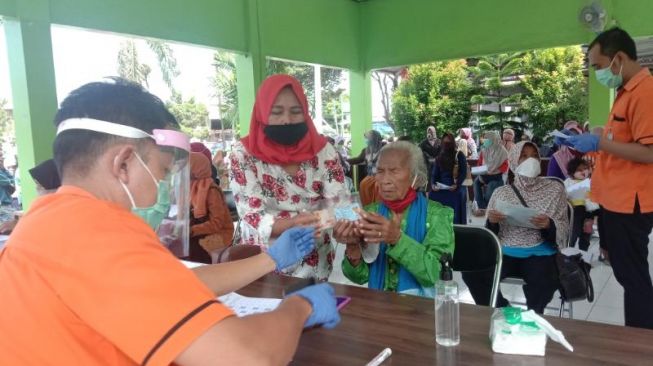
column 608, row 299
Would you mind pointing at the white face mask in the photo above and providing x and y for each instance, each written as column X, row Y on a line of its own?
column 529, row 168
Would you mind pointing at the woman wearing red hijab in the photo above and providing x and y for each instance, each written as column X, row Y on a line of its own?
column 280, row 169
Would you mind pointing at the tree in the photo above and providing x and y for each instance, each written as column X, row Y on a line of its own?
column 225, row 88
column 129, row 66
column 556, row 89
column 193, row 117
column 491, row 74
column 437, row 94
column 388, row 81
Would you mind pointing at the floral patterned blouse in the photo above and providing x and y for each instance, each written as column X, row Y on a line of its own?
column 265, row 192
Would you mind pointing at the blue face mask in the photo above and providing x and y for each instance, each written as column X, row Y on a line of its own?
column 487, row 143
column 606, row 78
column 154, row 214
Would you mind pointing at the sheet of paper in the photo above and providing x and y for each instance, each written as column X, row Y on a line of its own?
column 479, row 170
column 243, row 305
column 559, row 134
column 579, row 190
column 442, row 186
column 190, row 264
column 517, row 215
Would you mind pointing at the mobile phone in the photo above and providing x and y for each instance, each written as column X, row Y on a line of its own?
column 342, row 301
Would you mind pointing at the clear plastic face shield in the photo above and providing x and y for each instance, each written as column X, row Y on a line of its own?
column 169, row 215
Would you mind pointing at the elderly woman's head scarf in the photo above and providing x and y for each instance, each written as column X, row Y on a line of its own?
column 260, row 146
column 200, row 183
column 547, row 196
column 495, row 154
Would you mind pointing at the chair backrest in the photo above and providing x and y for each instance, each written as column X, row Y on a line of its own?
column 478, row 250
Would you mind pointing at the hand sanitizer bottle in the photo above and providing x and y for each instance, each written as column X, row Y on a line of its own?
column 447, row 315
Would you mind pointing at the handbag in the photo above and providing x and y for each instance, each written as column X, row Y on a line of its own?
column 469, row 181
column 573, row 272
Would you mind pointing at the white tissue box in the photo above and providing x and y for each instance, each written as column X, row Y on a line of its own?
column 514, row 336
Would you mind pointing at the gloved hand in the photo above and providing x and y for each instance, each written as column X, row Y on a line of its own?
column 584, row 143
column 291, row 246
column 323, row 301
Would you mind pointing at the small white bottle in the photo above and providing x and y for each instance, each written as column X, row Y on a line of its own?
column 447, row 313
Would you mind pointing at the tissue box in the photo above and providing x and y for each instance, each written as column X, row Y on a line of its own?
column 510, row 334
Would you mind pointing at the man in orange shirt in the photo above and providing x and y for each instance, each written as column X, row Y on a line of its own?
column 84, row 279
column 622, row 182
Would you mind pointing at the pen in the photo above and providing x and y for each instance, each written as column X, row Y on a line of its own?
column 376, row 361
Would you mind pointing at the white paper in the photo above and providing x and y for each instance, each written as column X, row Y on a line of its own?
column 517, row 215
column 442, row 186
column 479, row 170
column 579, row 190
column 243, row 305
column 559, row 134
column 190, row 264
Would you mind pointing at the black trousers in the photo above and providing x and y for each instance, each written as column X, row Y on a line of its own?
column 577, row 233
column 539, row 272
column 626, row 238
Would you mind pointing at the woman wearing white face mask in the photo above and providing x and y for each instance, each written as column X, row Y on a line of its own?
column 528, row 253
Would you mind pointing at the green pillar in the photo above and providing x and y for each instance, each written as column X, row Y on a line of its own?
column 250, row 72
column 600, row 101
column 360, row 85
column 31, row 70
column 250, row 68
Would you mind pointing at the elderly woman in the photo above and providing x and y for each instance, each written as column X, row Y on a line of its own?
column 282, row 168
column 397, row 243
column 528, row 249
column 495, row 157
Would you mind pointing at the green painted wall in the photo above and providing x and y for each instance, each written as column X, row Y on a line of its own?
column 214, row 23
column 399, row 32
column 314, row 31
column 8, row 8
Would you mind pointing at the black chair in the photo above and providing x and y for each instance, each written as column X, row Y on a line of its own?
column 231, row 204
column 478, row 250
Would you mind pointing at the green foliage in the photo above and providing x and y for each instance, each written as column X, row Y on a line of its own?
column 166, row 59
column 556, row 88
column 490, row 75
column 437, row 94
column 225, row 87
column 193, row 117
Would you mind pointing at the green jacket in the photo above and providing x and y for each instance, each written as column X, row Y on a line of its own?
column 420, row 259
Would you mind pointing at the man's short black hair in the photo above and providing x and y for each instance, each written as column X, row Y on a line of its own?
column 615, row 40
column 115, row 100
column 573, row 165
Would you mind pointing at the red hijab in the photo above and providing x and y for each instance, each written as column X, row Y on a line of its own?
column 264, row 149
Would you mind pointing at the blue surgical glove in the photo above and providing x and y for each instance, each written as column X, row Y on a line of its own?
column 584, row 143
column 291, row 246
column 324, row 304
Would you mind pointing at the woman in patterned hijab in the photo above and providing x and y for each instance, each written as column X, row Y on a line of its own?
column 528, row 252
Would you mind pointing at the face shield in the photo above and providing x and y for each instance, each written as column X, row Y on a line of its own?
column 169, row 215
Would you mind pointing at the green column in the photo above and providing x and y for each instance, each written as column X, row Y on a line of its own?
column 360, row 85
column 249, row 75
column 31, row 69
column 600, row 101
column 250, row 68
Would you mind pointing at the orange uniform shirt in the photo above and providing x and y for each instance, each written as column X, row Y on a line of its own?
column 86, row 282
column 616, row 182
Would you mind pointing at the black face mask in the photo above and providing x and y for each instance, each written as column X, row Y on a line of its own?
column 286, row 134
